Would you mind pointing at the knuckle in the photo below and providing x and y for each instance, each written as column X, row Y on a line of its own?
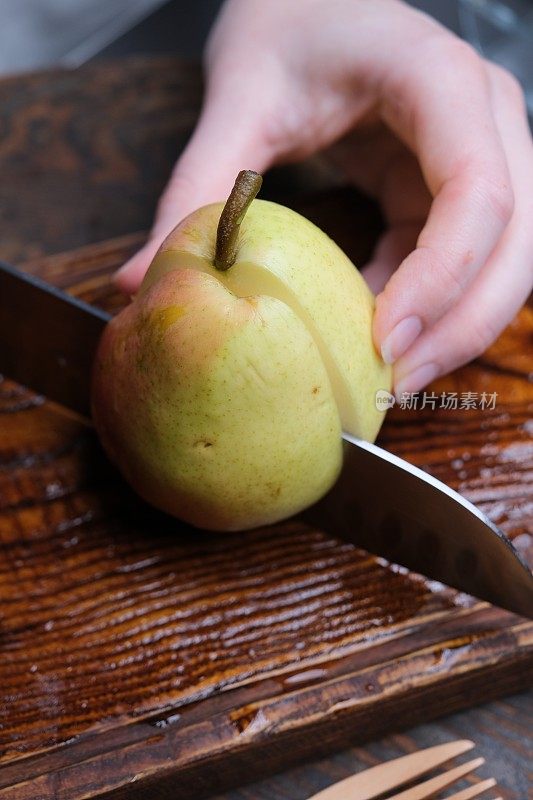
column 499, row 196
column 461, row 54
column 440, row 282
column 507, row 86
column 453, row 281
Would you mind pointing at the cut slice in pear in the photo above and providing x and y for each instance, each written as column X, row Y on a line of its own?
column 218, row 409
column 281, row 254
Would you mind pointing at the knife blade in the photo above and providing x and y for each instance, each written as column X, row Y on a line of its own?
column 380, row 502
column 48, row 338
column 396, row 510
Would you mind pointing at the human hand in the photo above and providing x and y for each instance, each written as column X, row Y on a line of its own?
column 413, row 116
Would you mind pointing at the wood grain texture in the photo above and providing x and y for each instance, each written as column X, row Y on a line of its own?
column 85, row 154
column 141, row 659
column 137, row 661
column 95, row 145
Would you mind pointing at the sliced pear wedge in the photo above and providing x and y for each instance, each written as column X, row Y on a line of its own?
column 281, row 254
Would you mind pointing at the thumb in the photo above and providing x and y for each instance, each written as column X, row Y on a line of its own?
column 223, row 143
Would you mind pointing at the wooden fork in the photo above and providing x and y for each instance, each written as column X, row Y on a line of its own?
column 378, row 780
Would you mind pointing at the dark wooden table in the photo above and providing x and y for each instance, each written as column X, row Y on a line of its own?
column 501, row 731
column 97, row 145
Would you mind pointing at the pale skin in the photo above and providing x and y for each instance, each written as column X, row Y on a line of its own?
column 409, row 113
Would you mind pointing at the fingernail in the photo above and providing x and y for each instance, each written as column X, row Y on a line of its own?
column 400, row 338
column 417, row 379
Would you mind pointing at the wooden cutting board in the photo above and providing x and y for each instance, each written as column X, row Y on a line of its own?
column 140, row 658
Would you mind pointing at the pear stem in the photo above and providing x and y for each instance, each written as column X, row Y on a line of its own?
column 244, row 191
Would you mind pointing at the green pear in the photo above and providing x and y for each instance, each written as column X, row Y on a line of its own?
column 222, row 390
